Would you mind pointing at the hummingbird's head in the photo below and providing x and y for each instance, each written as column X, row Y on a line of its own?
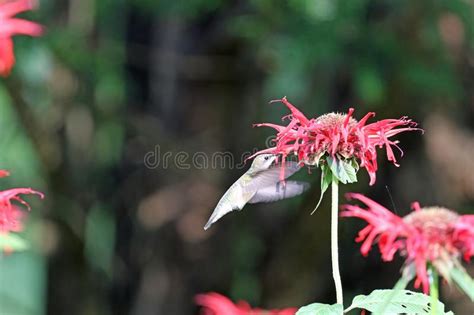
column 263, row 161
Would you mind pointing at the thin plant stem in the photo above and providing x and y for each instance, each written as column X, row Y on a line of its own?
column 334, row 240
column 434, row 291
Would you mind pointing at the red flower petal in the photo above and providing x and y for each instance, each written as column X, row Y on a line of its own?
column 430, row 234
column 217, row 304
column 10, row 214
column 337, row 134
column 9, row 27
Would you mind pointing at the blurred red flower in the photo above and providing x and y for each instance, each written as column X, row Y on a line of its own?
column 10, row 26
column 337, row 135
column 427, row 235
column 10, row 214
column 217, row 304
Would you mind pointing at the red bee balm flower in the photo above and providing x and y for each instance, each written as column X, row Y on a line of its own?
column 428, row 235
column 10, row 26
column 216, row 304
column 10, row 215
column 338, row 136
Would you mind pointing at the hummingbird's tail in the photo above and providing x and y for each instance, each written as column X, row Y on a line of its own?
column 214, row 217
column 221, row 210
column 208, row 224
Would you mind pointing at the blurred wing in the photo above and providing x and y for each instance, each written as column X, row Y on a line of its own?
column 279, row 191
column 290, row 168
column 270, row 176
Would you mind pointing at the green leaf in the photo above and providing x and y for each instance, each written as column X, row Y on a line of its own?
column 349, row 170
column 463, row 280
column 326, row 179
column 401, row 301
column 400, row 285
column 321, row 309
column 344, row 170
column 355, row 165
column 12, row 242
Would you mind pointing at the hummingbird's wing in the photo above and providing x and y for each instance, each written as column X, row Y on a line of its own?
column 269, row 177
column 279, row 191
column 291, row 167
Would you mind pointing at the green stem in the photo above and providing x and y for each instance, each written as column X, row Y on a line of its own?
column 434, row 290
column 334, row 242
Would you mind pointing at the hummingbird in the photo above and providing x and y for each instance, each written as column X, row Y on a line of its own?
column 261, row 183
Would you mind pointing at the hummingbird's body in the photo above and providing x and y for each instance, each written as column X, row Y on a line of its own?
column 261, row 183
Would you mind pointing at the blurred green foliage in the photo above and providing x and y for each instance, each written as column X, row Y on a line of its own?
column 22, row 274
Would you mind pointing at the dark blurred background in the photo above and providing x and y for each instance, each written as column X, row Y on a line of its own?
column 114, row 80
